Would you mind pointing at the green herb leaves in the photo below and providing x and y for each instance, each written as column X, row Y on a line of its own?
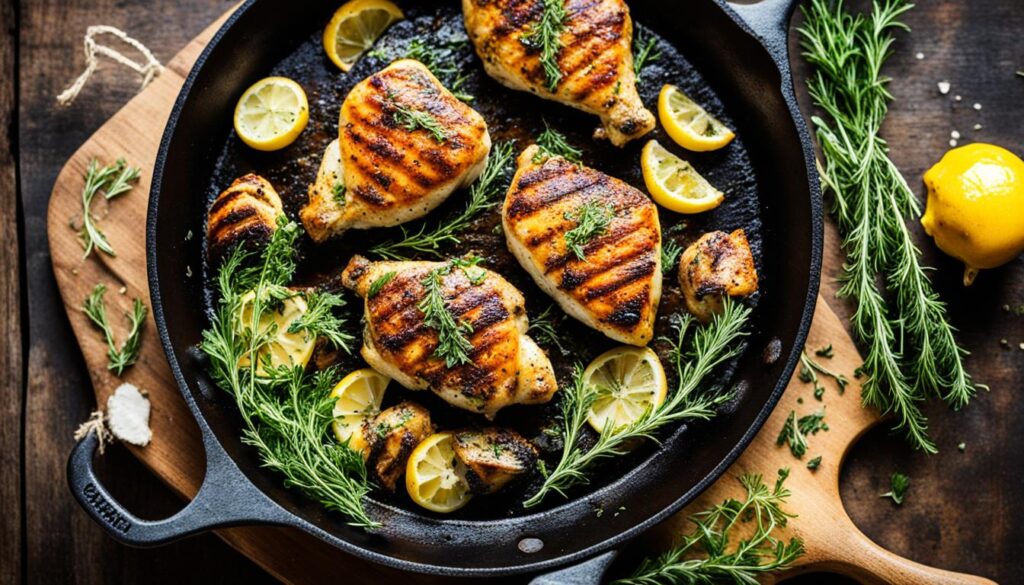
column 714, row 553
column 900, row 484
column 644, row 52
column 592, row 220
column 118, row 359
column 795, row 431
column 112, row 180
column 670, row 252
column 911, row 349
column 453, row 345
column 546, row 37
column 553, row 143
column 378, row 285
column 413, row 120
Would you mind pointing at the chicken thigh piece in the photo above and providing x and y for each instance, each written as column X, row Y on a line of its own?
column 503, row 365
column 245, row 213
column 594, row 61
column 716, row 265
column 405, row 143
column 590, row 241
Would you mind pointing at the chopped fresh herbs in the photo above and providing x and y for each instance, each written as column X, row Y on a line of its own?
column 112, row 180
column 338, row 190
column 711, row 345
column 413, row 120
column 670, row 252
column 482, row 196
column 285, row 411
column 319, row 320
column 825, row 352
column 809, row 370
column 553, row 143
column 453, row 345
column 795, row 431
column 377, row 285
column 544, row 331
column 644, row 52
column 723, row 546
column 899, row 485
column 592, row 220
column 912, row 352
column 546, row 37
column 118, row 359
column 440, row 59
column 814, row 464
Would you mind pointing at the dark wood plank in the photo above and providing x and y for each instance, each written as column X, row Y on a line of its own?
column 12, row 396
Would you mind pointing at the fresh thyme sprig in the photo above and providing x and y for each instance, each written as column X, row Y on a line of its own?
column 644, row 52
column 546, row 36
column 795, row 431
column 713, row 554
column 670, row 252
column 112, row 180
column 592, row 220
column 286, row 412
column 553, row 143
column 118, row 359
column 319, row 319
column 911, row 349
column 482, row 196
column 809, row 374
column 453, row 344
column 711, row 346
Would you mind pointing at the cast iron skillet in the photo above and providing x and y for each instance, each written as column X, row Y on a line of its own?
column 740, row 49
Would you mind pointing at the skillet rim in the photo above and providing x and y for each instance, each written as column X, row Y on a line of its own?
column 786, row 91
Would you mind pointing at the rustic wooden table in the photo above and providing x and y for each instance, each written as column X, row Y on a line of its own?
column 962, row 509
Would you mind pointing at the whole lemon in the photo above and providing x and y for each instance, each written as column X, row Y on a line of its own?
column 975, row 207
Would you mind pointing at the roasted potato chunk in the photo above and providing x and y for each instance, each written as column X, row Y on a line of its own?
column 390, row 439
column 493, row 457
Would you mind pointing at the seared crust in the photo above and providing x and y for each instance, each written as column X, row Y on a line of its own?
column 391, row 437
column 493, row 457
column 244, row 213
column 716, row 265
column 617, row 287
column 596, row 59
column 503, row 370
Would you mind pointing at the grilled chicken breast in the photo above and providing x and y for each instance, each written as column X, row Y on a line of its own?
column 493, row 457
column 390, row 438
column 595, row 62
column 615, row 288
column 404, row 144
column 716, row 265
column 506, row 367
column 244, row 213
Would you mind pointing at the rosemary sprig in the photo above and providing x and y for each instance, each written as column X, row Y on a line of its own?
column 482, row 196
column 112, row 180
column 546, row 36
column 644, row 52
column 795, row 431
column 543, row 329
column 118, row 359
column 711, row 346
column 319, row 320
column 453, row 344
column 440, row 59
column 412, row 120
column 911, row 349
column 899, row 484
column 670, row 252
column 286, row 412
column 592, row 220
column 712, row 553
column 378, row 285
column 553, row 143
column 809, row 374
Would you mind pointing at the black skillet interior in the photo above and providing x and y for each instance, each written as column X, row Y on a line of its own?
column 763, row 172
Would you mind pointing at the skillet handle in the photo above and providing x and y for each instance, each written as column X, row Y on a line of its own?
column 226, row 498
column 589, row 572
column 769, row 21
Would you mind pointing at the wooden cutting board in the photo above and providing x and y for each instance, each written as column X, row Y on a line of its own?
column 176, row 455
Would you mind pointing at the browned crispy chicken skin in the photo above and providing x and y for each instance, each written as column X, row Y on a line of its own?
column 617, row 286
column 246, row 213
column 716, row 265
column 493, row 457
column 596, row 58
column 388, row 439
column 387, row 167
column 507, row 367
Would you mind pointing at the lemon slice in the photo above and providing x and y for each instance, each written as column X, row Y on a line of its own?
column 271, row 114
column 355, row 27
column 688, row 124
column 358, row 397
column 286, row 348
column 629, row 381
column 674, row 183
column 433, row 478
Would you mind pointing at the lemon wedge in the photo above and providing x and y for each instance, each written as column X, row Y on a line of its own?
column 629, row 382
column 433, row 478
column 355, row 27
column 286, row 348
column 674, row 183
column 271, row 114
column 689, row 124
column 357, row 399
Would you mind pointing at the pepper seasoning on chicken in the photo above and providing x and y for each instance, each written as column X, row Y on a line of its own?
column 716, row 265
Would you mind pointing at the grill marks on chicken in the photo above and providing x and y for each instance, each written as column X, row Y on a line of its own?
column 617, row 286
column 596, row 58
column 405, row 144
column 716, row 265
column 245, row 213
column 506, row 366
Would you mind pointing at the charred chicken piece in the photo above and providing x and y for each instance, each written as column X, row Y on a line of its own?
column 493, row 457
column 715, row 266
column 405, row 143
column 245, row 213
column 390, row 438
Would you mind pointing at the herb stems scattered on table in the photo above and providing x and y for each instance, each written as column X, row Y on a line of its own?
column 911, row 349
column 710, row 346
column 112, row 180
column 118, row 358
column 714, row 553
column 286, row 411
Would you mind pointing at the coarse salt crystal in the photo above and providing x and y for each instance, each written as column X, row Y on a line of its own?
column 977, row 106
column 944, row 87
column 955, row 134
column 958, row 97
column 977, row 126
column 128, row 415
column 952, row 142
column 919, row 55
